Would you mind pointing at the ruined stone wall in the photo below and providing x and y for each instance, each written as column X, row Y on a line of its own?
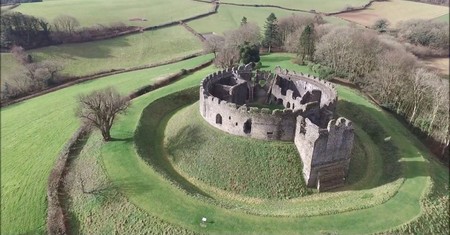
column 248, row 121
column 327, row 150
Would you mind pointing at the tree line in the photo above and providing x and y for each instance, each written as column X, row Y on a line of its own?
column 17, row 29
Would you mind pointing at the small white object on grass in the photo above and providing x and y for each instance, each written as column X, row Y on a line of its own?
column 387, row 139
column 204, row 219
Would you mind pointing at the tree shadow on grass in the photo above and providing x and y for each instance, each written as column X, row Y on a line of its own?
column 125, row 140
column 395, row 161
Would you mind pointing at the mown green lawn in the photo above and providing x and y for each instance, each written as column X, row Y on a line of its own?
column 105, row 12
column 307, row 5
column 122, row 52
column 229, row 17
column 150, row 191
column 34, row 131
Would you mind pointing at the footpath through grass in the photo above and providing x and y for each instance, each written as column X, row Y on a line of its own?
column 150, row 191
column 34, row 131
column 104, row 12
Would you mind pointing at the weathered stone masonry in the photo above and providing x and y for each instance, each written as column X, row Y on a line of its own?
column 308, row 117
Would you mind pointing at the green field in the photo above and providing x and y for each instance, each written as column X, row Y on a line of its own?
column 229, row 17
column 104, row 12
column 404, row 10
column 8, row 65
column 34, row 131
column 443, row 18
column 122, row 52
column 307, row 5
column 147, row 189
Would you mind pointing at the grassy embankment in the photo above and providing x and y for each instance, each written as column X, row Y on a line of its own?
column 34, row 131
column 151, row 192
column 105, row 12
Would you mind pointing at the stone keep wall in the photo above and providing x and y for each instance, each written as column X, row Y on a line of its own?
column 324, row 151
column 324, row 143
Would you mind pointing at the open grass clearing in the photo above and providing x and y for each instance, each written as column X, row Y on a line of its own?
column 441, row 65
column 147, row 189
column 229, row 17
column 122, row 52
column 105, row 12
column 307, row 5
column 395, row 11
column 34, row 131
column 8, row 66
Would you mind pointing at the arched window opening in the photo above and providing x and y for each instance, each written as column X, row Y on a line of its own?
column 248, row 126
column 218, row 119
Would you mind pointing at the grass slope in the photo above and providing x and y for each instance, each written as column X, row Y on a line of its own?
column 317, row 5
column 105, row 12
column 8, row 65
column 122, row 52
column 404, row 10
column 100, row 208
column 255, row 168
column 35, row 130
column 229, row 17
column 150, row 191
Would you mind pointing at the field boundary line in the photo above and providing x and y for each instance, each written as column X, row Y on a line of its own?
column 81, row 79
column 57, row 220
column 191, row 30
column 312, row 11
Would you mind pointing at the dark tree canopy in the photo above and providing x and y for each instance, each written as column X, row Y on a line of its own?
column 24, row 30
column 271, row 32
column 100, row 108
column 306, row 46
column 243, row 21
column 249, row 53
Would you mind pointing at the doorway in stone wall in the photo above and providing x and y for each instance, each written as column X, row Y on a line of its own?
column 218, row 119
column 248, row 126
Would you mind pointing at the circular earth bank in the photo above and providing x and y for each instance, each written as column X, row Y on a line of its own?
column 250, row 167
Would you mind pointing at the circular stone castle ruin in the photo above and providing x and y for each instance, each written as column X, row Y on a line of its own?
column 283, row 106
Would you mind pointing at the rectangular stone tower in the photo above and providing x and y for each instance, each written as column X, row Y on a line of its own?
column 325, row 152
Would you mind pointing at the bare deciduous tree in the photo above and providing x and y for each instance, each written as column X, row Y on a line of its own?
column 100, row 109
column 213, row 44
column 65, row 23
column 249, row 32
column 227, row 57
